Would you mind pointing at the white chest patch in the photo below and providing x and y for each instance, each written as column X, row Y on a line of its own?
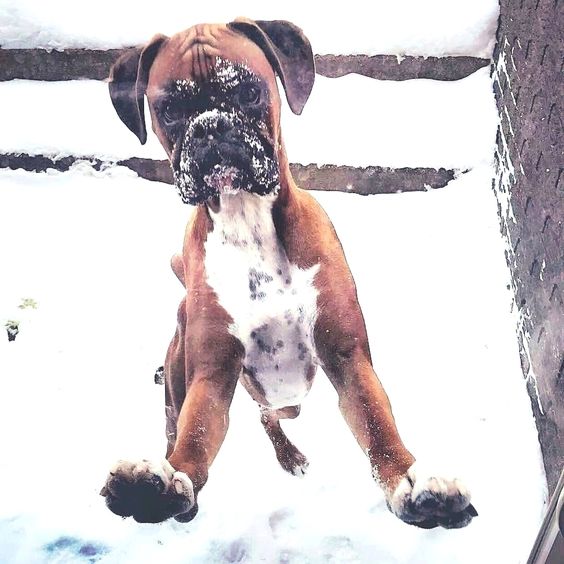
column 272, row 302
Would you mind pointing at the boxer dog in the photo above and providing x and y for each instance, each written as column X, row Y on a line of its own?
column 269, row 295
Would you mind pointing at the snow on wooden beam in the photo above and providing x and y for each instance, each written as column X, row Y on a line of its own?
column 71, row 64
column 390, row 67
column 365, row 181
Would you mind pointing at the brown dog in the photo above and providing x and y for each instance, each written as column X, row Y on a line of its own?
column 269, row 295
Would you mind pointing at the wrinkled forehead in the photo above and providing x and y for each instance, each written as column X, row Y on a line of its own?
column 207, row 52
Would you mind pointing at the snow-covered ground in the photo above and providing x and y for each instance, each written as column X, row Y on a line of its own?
column 77, row 393
column 91, row 249
column 399, row 27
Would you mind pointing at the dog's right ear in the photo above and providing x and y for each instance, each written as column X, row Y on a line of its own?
column 289, row 52
column 128, row 83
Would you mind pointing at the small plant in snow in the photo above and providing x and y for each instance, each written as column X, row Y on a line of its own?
column 13, row 325
column 28, row 303
column 12, row 328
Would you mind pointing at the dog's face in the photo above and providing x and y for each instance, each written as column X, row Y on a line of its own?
column 221, row 131
column 214, row 102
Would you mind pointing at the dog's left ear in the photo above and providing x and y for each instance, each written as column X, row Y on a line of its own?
column 288, row 51
column 128, row 83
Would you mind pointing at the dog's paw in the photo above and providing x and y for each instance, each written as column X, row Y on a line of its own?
column 298, row 465
column 293, row 461
column 159, row 377
column 428, row 501
column 150, row 492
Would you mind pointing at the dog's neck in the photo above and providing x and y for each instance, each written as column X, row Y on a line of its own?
column 245, row 220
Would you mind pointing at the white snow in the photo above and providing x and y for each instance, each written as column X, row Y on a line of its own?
column 430, row 28
column 77, row 392
column 352, row 120
column 355, row 120
column 92, row 250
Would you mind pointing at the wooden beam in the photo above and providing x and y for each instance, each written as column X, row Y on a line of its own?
column 71, row 64
column 365, row 181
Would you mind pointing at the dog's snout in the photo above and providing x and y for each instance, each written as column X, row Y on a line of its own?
column 199, row 131
column 223, row 125
column 210, row 129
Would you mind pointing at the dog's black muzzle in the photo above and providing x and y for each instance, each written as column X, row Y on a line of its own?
column 219, row 153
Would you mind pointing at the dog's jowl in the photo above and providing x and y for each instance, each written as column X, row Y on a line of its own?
column 269, row 295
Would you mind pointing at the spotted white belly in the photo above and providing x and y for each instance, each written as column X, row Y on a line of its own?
column 272, row 302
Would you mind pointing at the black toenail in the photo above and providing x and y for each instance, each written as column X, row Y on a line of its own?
column 472, row 510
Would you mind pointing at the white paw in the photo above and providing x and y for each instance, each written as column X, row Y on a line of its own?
column 148, row 491
column 300, row 468
column 427, row 500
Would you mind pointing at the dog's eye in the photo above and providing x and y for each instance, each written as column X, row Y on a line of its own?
column 249, row 94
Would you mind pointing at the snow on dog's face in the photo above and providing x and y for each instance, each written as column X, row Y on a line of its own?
column 219, row 132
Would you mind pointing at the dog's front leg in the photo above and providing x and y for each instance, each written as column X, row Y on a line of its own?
column 366, row 409
column 152, row 492
column 207, row 372
column 422, row 499
column 202, row 425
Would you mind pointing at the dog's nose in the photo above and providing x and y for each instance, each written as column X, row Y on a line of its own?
column 212, row 129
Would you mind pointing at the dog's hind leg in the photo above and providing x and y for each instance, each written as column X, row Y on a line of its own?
column 288, row 455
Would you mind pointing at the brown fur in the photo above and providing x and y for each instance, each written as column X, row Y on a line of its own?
column 204, row 361
column 340, row 335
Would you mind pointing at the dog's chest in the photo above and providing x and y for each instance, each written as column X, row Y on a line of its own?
column 272, row 302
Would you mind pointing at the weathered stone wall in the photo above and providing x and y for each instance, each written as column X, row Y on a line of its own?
column 527, row 72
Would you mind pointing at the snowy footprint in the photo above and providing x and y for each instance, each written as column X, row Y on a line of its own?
column 148, row 491
column 428, row 501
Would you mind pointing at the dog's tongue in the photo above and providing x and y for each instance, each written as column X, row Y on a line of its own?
column 222, row 179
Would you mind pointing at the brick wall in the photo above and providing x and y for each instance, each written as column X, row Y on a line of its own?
column 527, row 73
